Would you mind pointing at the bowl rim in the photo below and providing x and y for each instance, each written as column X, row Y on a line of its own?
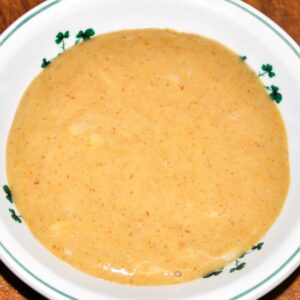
column 279, row 275
column 13, row 263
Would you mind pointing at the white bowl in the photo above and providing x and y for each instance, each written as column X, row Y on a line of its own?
column 249, row 33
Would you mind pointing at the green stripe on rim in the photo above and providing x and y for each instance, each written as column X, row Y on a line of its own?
column 233, row 2
column 34, row 276
column 252, row 13
column 25, row 20
column 269, row 277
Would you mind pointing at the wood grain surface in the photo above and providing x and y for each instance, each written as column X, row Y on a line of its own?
column 284, row 12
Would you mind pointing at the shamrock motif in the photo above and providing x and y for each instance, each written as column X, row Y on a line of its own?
column 62, row 36
column 238, row 266
column 274, row 95
column 216, row 273
column 8, row 193
column 267, row 69
column 60, row 39
column 14, row 216
column 45, row 63
column 258, row 246
column 84, row 35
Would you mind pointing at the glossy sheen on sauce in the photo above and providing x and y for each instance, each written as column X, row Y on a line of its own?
column 148, row 157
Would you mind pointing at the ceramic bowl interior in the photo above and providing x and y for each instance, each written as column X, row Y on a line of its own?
column 25, row 44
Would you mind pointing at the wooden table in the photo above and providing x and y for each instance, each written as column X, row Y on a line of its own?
column 285, row 12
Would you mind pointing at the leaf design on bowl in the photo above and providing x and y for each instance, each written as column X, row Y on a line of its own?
column 12, row 211
column 60, row 39
column 7, row 191
column 84, row 35
column 238, row 263
column 14, row 215
column 215, row 273
column 274, row 93
column 243, row 58
column 267, row 69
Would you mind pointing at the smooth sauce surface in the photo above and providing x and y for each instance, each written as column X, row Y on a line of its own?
column 148, row 157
